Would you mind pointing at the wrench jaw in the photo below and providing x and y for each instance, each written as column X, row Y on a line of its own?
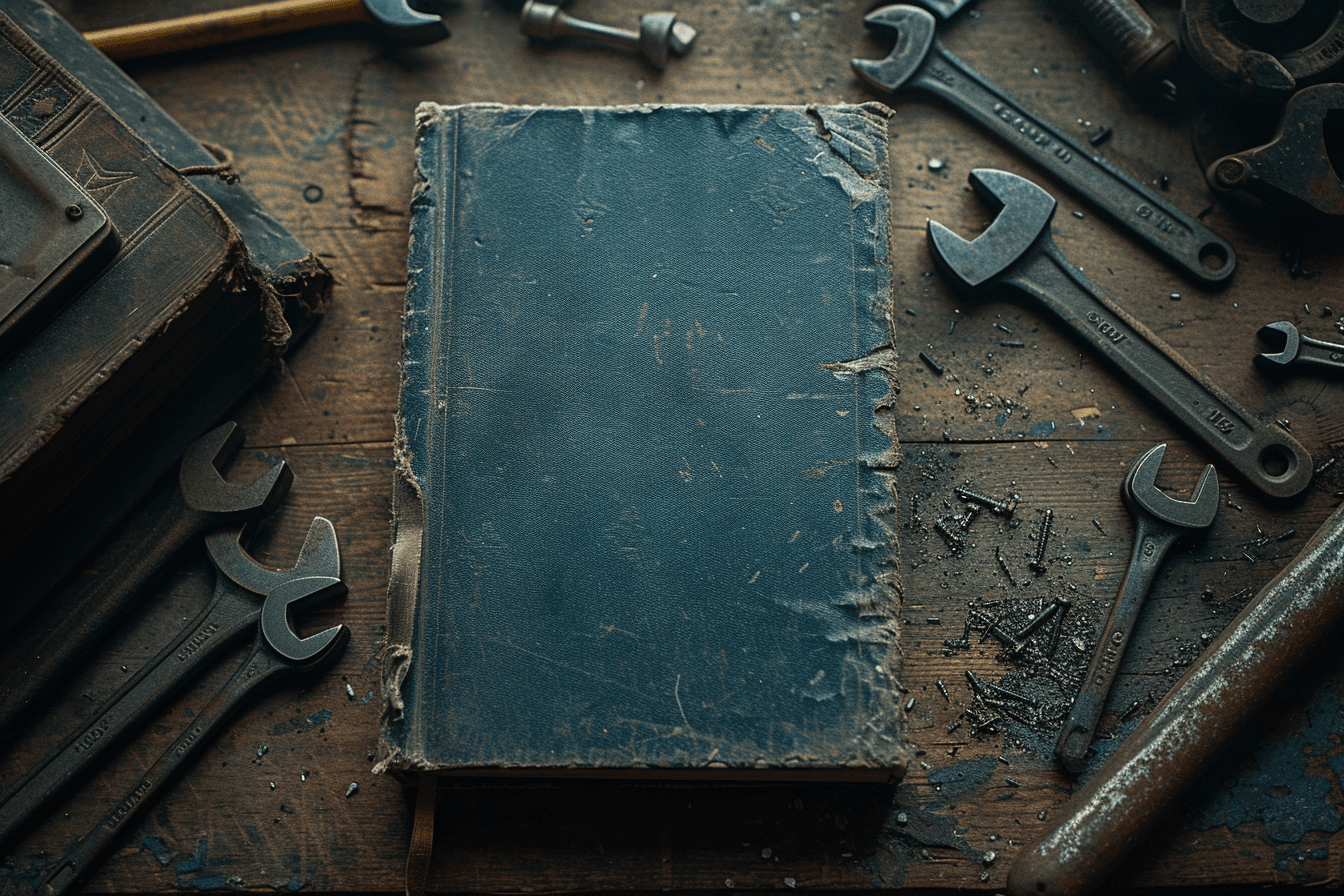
column 1281, row 333
column 319, row 556
column 205, row 489
column 1024, row 213
column 1143, row 495
column 279, row 633
column 913, row 29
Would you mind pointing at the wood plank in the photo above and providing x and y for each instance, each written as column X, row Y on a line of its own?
column 333, row 111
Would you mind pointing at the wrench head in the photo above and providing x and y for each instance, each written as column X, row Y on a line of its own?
column 1141, row 492
column 1024, row 214
column 1283, row 334
column 277, row 627
column 319, row 556
column 913, row 30
column 205, row 489
column 404, row 25
column 1296, row 168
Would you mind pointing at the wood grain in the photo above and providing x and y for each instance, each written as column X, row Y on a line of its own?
column 321, row 126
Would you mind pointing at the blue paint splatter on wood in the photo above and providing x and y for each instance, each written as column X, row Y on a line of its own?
column 301, row 723
column 1272, row 784
column 161, row 851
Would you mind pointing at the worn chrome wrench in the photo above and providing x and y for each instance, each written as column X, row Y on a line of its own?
column 919, row 61
column 1159, row 520
column 276, row 652
column 236, row 606
column 1017, row 251
column 1298, row 351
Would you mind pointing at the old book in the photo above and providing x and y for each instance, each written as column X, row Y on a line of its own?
column 206, row 289
column 644, row 510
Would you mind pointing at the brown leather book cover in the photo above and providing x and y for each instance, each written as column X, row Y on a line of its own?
column 86, row 381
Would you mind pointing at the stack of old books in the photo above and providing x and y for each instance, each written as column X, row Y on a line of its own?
column 141, row 295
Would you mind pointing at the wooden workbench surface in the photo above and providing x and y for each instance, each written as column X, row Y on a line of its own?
column 1001, row 402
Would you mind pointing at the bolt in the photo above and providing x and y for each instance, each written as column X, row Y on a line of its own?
column 659, row 32
column 1147, row 55
column 1231, row 171
column 74, row 212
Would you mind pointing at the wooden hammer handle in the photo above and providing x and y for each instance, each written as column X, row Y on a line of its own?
column 225, row 26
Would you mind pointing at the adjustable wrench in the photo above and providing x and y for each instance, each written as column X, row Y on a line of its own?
column 276, row 652
column 919, row 61
column 236, row 606
column 1298, row 351
column 1016, row 250
column 204, row 501
column 1159, row 520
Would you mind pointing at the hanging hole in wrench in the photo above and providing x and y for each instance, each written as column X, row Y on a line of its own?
column 1276, row 462
column 1213, row 256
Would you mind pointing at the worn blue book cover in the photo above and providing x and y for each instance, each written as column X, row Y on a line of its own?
column 644, row 510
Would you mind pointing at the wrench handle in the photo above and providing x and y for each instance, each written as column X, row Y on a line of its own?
column 260, row 666
column 1265, row 455
column 215, row 628
column 1170, row 232
column 1151, row 543
column 1232, row 680
column 108, row 598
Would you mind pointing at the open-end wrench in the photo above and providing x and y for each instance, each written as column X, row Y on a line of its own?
column 204, row 501
column 1017, row 251
column 1159, row 520
column 1233, row 679
column 235, row 607
column 919, row 61
column 269, row 659
column 1298, row 351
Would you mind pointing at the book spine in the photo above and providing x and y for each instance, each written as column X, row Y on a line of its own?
column 428, row 303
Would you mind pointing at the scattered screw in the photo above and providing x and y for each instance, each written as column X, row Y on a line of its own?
column 994, row 505
column 1042, row 538
column 933, row 365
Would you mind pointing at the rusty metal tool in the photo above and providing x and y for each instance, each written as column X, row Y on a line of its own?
column 1233, row 679
column 1147, row 54
column 1293, row 170
column 1298, row 351
column 918, row 61
column 277, row 652
column 396, row 19
column 1159, row 520
column 204, row 501
column 1017, row 251
column 1263, row 50
column 659, row 35
column 236, row 606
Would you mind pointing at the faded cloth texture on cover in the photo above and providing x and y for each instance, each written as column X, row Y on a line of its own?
column 644, row 511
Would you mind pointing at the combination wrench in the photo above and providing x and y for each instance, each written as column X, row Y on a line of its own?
column 1159, row 520
column 1016, row 250
column 1298, row 351
column 235, row 606
column 918, row 61
column 277, row 652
